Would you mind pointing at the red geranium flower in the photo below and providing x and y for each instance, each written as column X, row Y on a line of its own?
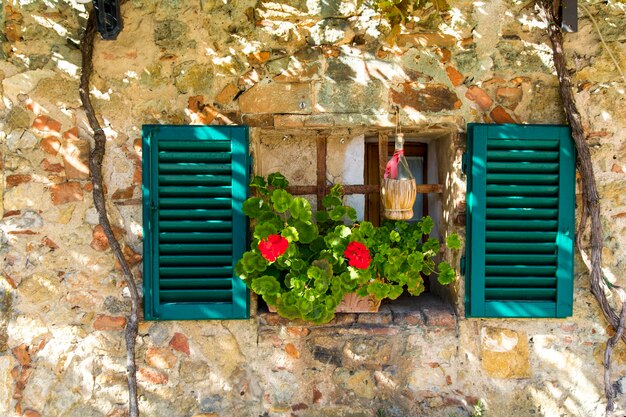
column 358, row 255
column 272, row 247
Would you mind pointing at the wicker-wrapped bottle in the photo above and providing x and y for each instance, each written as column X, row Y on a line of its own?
column 398, row 190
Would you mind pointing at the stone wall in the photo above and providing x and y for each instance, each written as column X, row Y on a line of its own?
column 290, row 70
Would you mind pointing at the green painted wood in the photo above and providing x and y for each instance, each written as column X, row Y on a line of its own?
column 194, row 226
column 520, row 209
column 565, row 238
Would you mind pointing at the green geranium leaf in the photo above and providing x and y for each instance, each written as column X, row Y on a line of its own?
column 415, row 283
column 281, row 200
column 307, row 231
column 446, row 273
column 453, row 241
column 379, row 290
column 321, row 216
column 300, row 209
column 367, row 228
column 426, row 224
column 266, row 285
column 351, row 213
column 269, row 299
column 298, row 265
column 263, row 230
column 337, row 213
column 290, row 233
column 252, row 262
column 286, row 306
column 277, row 180
column 305, row 306
column 260, row 184
column 331, row 201
column 395, row 291
column 431, row 244
column 253, row 207
column 415, row 261
column 320, row 314
column 394, row 236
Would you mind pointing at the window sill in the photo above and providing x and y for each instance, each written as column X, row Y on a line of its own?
column 425, row 310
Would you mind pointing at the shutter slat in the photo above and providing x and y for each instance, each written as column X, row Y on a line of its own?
column 170, row 202
column 198, row 214
column 521, row 225
column 195, row 271
column 520, row 282
column 526, row 248
column 522, row 190
column 195, row 145
column 520, row 294
column 526, row 202
column 523, row 168
column 196, row 283
column 194, row 168
column 529, row 179
column 195, row 295
column 177, row 237
column 170, row 249
column 223, row 180
column 522, row 213
column 195, row 260
column 529, row 236
column 520, row 270
column 195, row 226
column 517, row 144
column 188, row 157
column 194, row 184
column 514, row 259
column 194, row 191
column 521, row 156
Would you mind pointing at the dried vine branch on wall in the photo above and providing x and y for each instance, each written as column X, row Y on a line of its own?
column 591, row 206
column 95, row 167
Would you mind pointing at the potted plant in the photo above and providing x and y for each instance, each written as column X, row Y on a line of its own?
column 305, row 268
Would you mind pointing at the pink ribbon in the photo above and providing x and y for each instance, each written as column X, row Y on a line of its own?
column 391, row 170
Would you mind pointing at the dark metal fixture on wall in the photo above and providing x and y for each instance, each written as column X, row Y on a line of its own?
column 569, row 15
column 108, row 18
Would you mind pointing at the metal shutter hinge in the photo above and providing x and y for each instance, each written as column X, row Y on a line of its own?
column 463, row 265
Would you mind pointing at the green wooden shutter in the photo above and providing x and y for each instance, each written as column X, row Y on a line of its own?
column 520, row 221
column 195, row 179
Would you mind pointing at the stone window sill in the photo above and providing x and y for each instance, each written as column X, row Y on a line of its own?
column 425, row 310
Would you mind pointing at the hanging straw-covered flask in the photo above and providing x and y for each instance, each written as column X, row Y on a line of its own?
column 398, row 190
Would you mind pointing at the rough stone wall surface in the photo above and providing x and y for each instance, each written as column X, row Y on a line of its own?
column 288, row 69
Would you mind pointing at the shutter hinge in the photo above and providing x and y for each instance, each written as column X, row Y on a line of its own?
column 463, row 265
column 464, row 163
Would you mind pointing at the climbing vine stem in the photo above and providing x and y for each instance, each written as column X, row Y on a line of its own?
column 95, row 166
column 591, row 209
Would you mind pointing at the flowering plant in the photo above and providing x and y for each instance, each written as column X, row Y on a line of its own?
column 305, row 267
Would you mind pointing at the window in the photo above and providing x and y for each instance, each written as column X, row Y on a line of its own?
column 195, row 179
column 520, row 221
column 416, row 156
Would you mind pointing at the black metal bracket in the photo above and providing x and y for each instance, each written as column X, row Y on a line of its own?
column 108, row 18
column 569, row 15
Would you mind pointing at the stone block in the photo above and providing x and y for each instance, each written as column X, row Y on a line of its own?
column 428, row 98
column 13, row 180
column 227, row 94
column 161, row 358
column 272, row 97
column 75, row 153
column 479, row 96
column 180, row 343
column 499, row 115
column 351, row 97
column 504, row 353
column 456, row 78
column 21, row 139
column 66, row 193
column 7, row 363
column 104, row 322
column 50, row 145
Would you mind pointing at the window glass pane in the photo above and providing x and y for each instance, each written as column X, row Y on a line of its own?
column 416, row 165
